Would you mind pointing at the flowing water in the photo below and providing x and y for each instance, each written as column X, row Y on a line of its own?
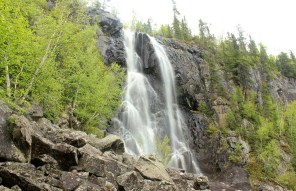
column 144, row 119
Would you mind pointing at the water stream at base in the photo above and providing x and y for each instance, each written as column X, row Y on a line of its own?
column 144, row 119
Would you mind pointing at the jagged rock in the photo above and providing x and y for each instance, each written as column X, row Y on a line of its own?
column 100, row 165
column 8, row 150
column 110, row 142
column 221, row 109
column 61, row 135
column 129, row 159
column 72, row 180
column 35, row 111
column 21, row 130
column 268, row 186
column 237, row 177
column 186, row 180
column 105, row 185
column 88, row 186
column 90, row 150
column 234, row 143
column 130, row 180
column 152, row 169
column 201, row 183
column 25, row 176
column 64, row 154
column 146, row 52
column 43, row 160
column 110, row 38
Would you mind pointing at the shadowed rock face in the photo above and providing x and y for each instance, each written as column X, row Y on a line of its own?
column 48, row 157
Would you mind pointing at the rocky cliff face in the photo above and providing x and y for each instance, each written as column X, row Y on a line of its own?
column 38, row 155
column 192, row 74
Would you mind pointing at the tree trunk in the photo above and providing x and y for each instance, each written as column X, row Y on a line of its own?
column 8, row 84
column 16, row 81
column 48, row 50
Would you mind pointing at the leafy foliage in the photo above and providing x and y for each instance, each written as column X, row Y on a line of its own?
column 48, row 55
column 165, row 149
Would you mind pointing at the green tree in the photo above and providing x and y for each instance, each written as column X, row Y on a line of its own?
column 270, row 156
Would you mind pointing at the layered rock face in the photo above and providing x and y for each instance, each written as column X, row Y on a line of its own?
column 38, row 155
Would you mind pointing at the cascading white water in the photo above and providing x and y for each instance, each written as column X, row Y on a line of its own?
column 181, row 154
column 139, row 126
column 136, row 124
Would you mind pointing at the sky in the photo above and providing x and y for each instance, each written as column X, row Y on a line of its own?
column 271, row 22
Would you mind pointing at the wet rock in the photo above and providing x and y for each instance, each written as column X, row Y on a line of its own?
column 152, row 169
column 146, row 52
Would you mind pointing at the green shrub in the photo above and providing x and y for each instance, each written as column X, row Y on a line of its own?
column 288, row 179
column 95, row 131
column 164, row 149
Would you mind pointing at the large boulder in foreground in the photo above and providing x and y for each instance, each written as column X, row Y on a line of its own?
column 152, row 169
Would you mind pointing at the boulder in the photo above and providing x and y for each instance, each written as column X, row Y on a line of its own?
column 105, row 185
column 152, row 169
column 61, row 135
column 89, row 150
column 73, row 180
column 64, row 154
column 110, row 142
column 201, row 183
column 130, row 180
column 89, row 187
column 35, row 111
column 25, row 175
column 100, row 166
column 21, row 130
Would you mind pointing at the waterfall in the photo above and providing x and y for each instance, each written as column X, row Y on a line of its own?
column 144, row 118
